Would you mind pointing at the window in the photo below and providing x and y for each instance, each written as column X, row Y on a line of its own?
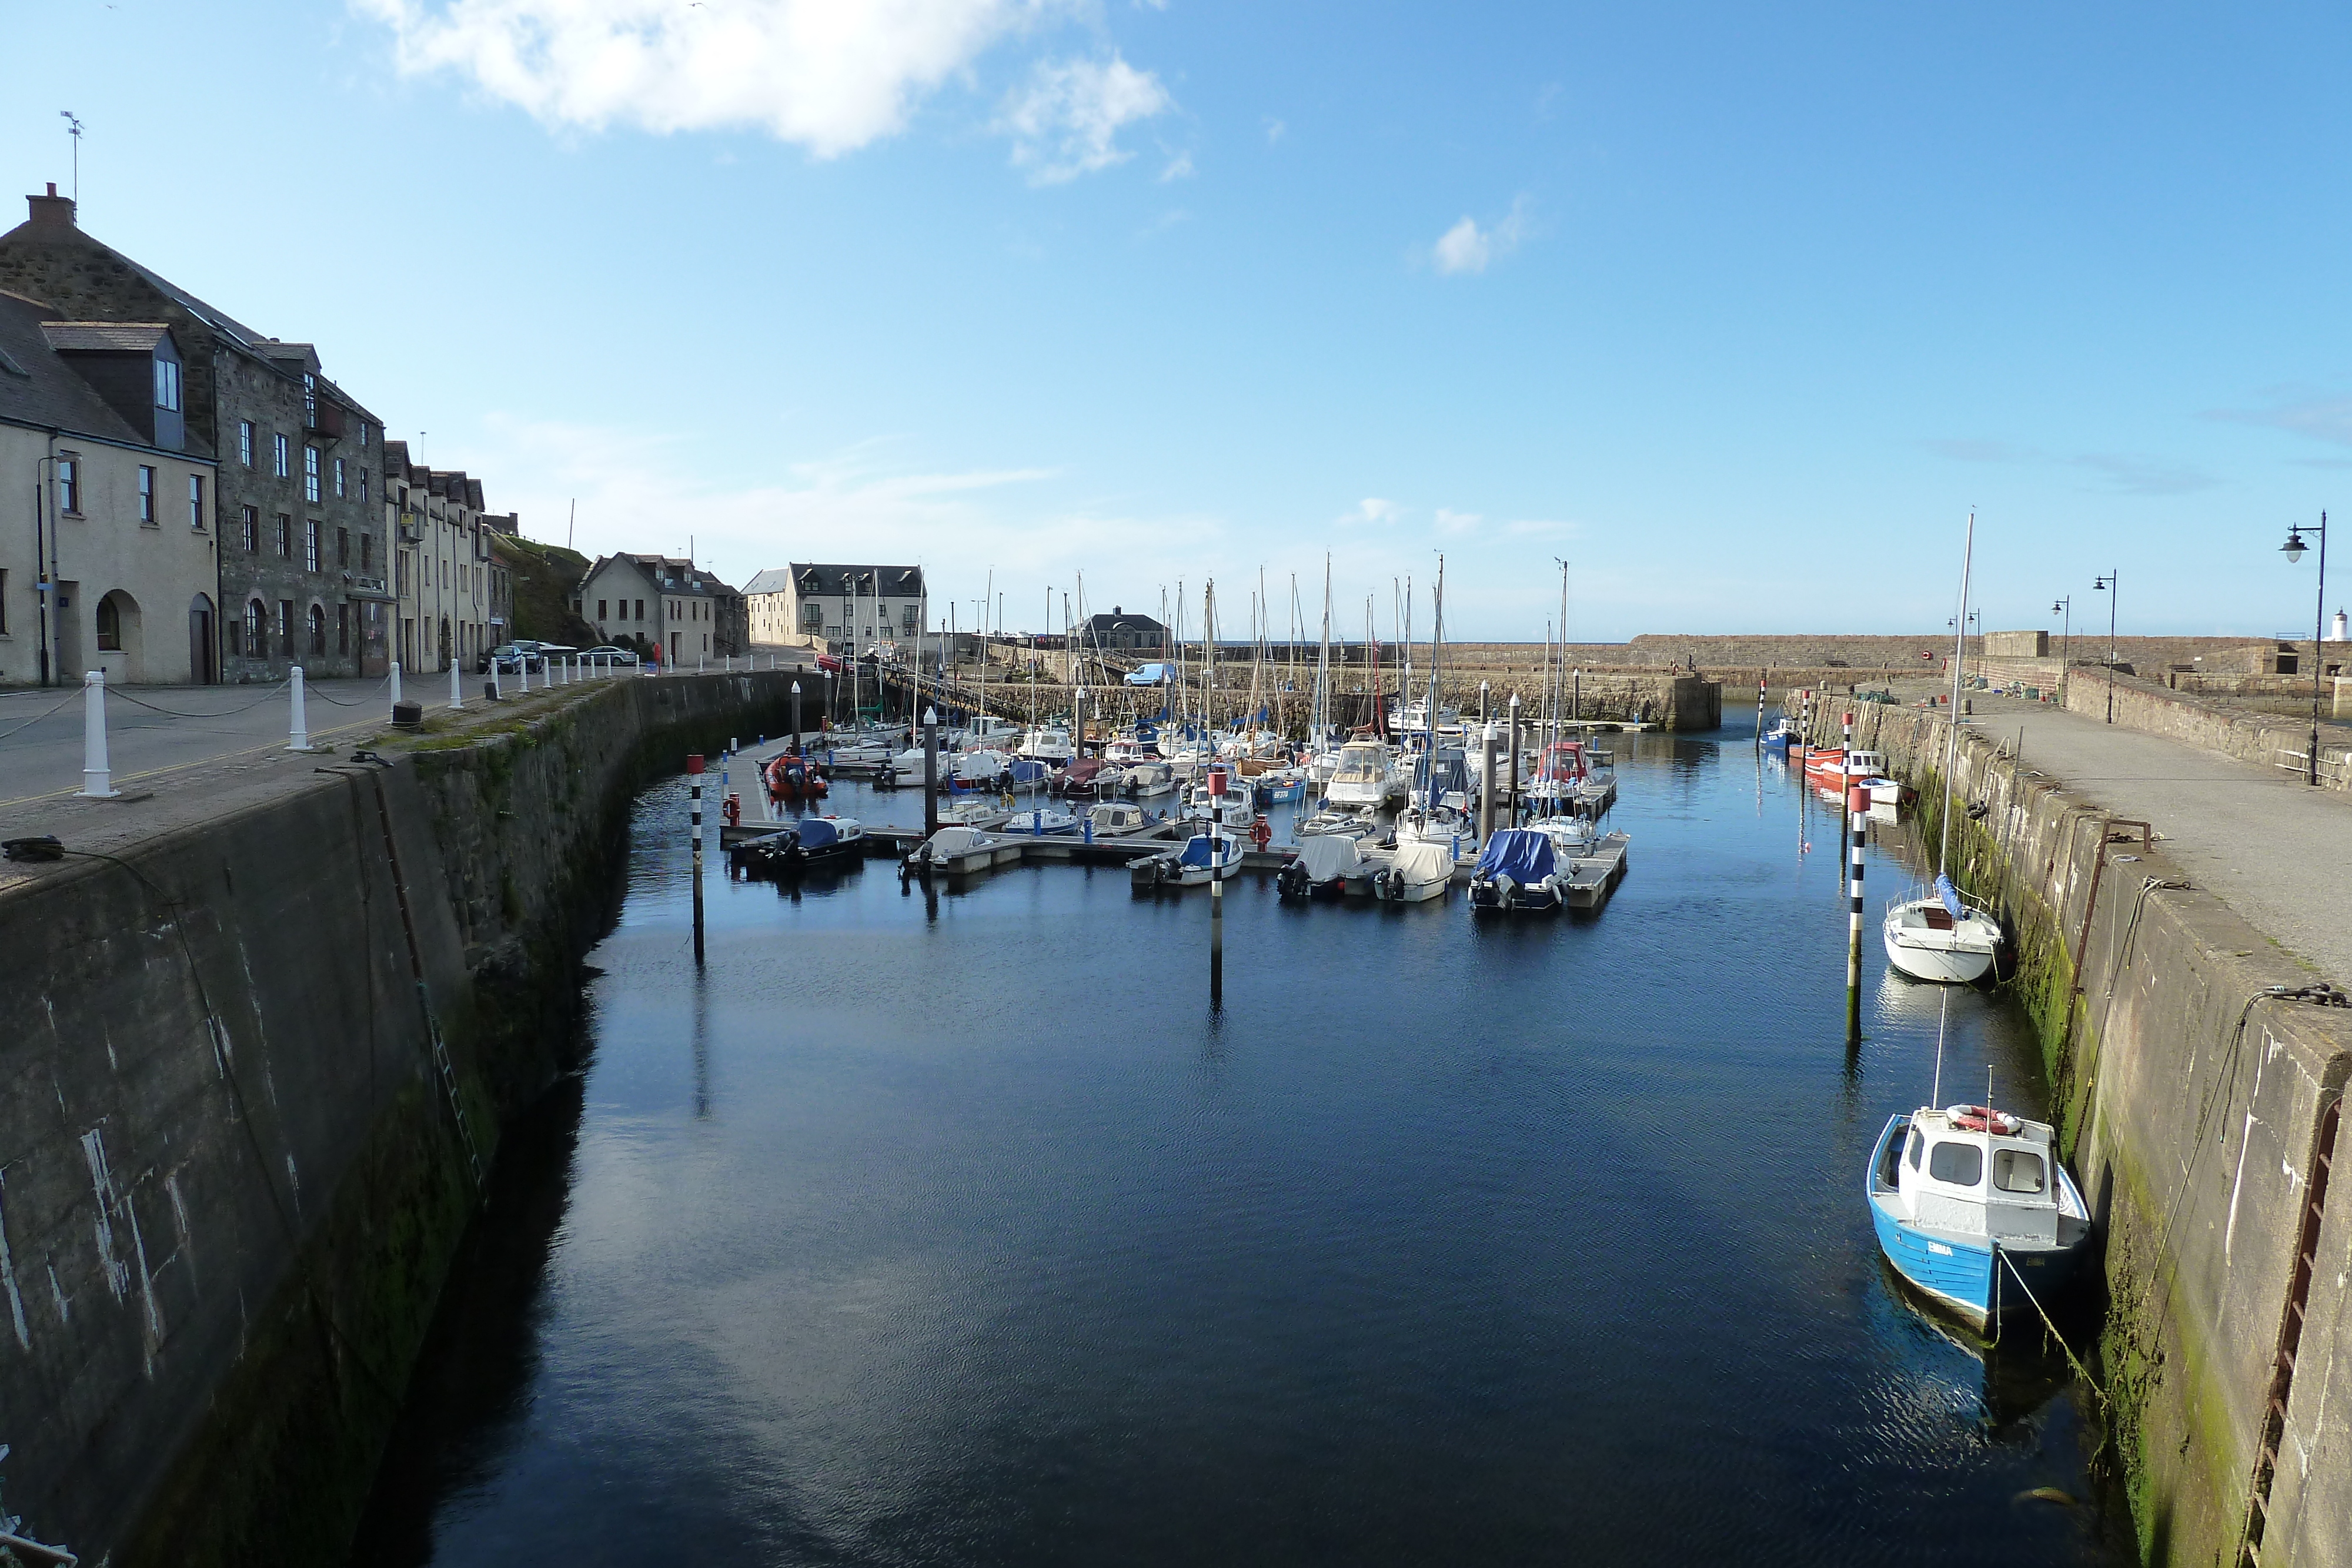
column 2014, row 1170
column 1961, row 1165
column 167, row 385
column 257, row 628
column 245, row 442
column 196, row 501
column 343, row 628
column 310, row 473
column 1919, row 1147
column 70, row 487
column 600, row 609
column 342, row 550
column 317, row 630
column 249, row 519
column 367, row 554
column 641, row 609
column 310, row 561
column 109, row 625
column 146, row 494
column 286, row 538
column 339, row 478
column 285, row 627
column 363, row 479
column 279, row 454
column 4, row 604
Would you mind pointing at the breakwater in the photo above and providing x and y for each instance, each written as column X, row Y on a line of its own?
column 2198, row 1097
column 257, row 1069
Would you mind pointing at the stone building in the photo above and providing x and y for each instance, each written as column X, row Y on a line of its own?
column 813, row 604
column 1120, row 633
column 302, row 566
column 675, row 609
column 456, row 597
column 104, row 495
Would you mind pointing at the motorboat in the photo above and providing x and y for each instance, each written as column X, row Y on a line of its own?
column 1191, row 865
column 983, row 768
column 1149, row 775
column 1047, row 743
column 1040, row 821
column 1114, row 818
column 1365, row 775
column 1322, row 868
column 988, row 732
column 1566, row 780
column 809, row 842
column 1941, row 936
column 1449, row 827
column 1279, row 786
column 970, row 812
column 1519, row 871
column 1783, row 734
column 1232, row 808
column 790, row 777
column 943, row 847
column 1973, row 1207
column 1027, row 773
column 1345, row 821
column 1082, row 777
column 1413, row 871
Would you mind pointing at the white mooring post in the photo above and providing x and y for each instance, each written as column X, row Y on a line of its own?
column 97, row 777
column 395, row 683
column 497, row 687
column 297, row 733
column 456, row 691
column 522, row 671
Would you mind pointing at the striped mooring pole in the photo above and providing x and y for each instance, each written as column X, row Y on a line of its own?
column 1857, row 807
column 694, row 790
column 1216, row 889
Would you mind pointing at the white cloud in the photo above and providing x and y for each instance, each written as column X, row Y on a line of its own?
column 1180, row 167
column 1273, row 130
column 1066, row 121
column 1450, row 521
column 1371, row 510
column 1467, row 247
column 825, row 75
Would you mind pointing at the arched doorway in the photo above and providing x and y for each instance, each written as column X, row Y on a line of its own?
column 116, row 622
column 204, row 663
column 318, row 641
column 444, row 642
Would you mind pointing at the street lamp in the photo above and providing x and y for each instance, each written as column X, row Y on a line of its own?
column 2293, row 550
column 2065, row 640
column 2106, row 585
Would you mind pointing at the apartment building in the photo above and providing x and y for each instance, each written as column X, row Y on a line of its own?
column 455, row 598
column 302, row 563
column 815, row 604
column 670, row 609
column 107, row 501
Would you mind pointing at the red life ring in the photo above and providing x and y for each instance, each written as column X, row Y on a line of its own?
column 1981, row 1119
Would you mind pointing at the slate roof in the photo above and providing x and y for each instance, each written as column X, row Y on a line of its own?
column 672, row 574
column 37, row 388
column 896, row 582
column 104, row 336
column 775, row 580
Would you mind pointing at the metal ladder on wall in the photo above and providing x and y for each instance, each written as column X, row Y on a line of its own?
column 443, row 1065
column 2290, row 1340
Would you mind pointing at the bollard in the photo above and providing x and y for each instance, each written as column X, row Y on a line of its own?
column 523, row 671
column 97, row 777
column 1858, row 815
column 796, row 720
column 497, row 687
column 456, row 692
column 694, row 782
column 1512, row 804
column 1486, row 784
column 297, row 734
column 395, row 686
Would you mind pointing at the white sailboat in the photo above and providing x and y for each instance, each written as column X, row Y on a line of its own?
column 1941, row 936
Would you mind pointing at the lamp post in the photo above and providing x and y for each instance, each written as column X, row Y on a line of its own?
column 2293, row 550
column 2106, row 585
column 2065, row 640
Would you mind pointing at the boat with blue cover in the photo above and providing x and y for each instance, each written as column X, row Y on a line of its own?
column 1974, row 1209
column 810, row 841
column 1519, row 870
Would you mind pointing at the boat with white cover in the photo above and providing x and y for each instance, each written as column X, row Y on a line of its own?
column 1323, row 868
column 1411, row 872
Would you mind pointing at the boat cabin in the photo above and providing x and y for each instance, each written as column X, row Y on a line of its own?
column 1972, row 1173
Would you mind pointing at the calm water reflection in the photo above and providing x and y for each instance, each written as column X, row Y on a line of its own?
column 958, row 1230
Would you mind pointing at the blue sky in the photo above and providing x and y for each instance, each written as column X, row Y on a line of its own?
column 1738, row 309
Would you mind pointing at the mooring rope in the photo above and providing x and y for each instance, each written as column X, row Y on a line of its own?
column 2072, row 1359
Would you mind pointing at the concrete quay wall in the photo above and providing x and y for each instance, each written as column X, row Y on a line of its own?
column 2191, row 1103
column 231, row 1175
column 2267, row 740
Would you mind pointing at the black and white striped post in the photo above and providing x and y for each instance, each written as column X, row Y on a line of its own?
column 1217, row 887
column 694, row 790
column 1857, row 807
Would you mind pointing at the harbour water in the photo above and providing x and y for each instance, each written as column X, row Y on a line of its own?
column 954, row 1228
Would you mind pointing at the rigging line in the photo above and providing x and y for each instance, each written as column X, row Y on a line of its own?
column 267, row 694
column 37, row 717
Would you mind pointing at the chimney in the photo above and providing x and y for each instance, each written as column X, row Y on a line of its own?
column 51, row 211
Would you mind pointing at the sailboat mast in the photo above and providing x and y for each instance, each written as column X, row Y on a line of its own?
column 1959, row 650
column 1437, row 636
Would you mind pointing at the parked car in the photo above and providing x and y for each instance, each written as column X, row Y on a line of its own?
column 505, row 655
column 617, row 655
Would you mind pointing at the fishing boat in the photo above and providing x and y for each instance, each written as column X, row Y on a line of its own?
column 1938, row 935
column 1970, row 1202
column 1519, row 870
column 1411, row 872
column 1783, row 734
column 1279, row 786
column 1322, row 868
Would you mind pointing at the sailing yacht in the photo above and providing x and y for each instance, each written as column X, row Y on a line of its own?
column 1940, row 935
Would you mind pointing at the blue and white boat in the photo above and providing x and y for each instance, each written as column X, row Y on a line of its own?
column 1041, row 821
column 1781, row 735
column 1967, row 1202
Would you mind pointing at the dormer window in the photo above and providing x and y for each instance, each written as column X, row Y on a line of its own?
column 167, row 384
